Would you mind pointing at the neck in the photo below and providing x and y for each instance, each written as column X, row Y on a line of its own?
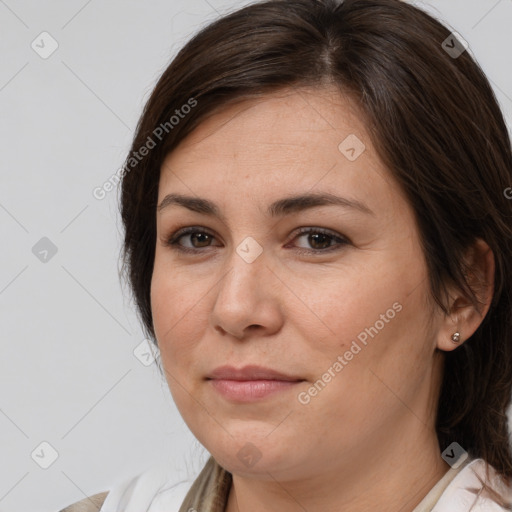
column 396, row 479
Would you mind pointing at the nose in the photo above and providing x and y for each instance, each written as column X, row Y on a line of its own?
column 247, row 299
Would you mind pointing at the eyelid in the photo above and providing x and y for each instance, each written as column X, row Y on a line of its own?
column 317, row 229
column 177, row 234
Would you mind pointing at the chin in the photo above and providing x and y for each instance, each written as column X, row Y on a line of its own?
column 246, row 453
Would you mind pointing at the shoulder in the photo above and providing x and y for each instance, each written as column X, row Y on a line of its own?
column 89, row 504
column 467, row 491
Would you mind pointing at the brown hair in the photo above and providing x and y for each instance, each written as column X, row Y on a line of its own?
column 435, row 123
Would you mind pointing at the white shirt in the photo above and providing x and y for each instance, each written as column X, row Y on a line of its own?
column 155, row 491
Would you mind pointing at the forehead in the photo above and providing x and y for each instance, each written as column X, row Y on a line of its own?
column 287, row 117
column 293, row 140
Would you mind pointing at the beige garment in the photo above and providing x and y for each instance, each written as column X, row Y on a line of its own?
column 210, row 490
column 90, row 504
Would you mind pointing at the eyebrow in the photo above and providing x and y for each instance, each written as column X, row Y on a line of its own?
column 279, row 208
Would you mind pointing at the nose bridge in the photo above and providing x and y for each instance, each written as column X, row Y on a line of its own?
column 244, row 280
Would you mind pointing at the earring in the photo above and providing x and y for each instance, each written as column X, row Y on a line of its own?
column 456, row 337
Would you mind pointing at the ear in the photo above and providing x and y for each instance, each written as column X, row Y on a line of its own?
column 463, row 317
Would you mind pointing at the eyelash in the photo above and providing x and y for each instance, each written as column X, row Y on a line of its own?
column 173, row 239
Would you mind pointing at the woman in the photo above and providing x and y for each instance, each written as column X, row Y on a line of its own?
column 317, row 236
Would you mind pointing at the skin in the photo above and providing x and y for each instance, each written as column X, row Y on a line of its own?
column 366, row 440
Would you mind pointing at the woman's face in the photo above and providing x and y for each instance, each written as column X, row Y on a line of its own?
column 342, row 309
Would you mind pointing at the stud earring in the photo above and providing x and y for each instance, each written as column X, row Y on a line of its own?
column 456, row 337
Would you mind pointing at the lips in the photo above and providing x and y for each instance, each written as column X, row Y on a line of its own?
column 250, row 372
column 250, row 383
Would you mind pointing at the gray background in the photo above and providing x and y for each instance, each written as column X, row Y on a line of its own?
column 69, row 375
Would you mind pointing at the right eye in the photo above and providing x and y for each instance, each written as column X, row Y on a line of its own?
column 200, row 235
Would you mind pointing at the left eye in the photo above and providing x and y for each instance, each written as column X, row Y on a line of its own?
column 320, row 238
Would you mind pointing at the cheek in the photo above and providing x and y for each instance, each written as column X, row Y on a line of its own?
column 174, row 314
column 378, row 324
column 382, row 373
column 386, row 354
column 175, row 307
column 333, row 313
